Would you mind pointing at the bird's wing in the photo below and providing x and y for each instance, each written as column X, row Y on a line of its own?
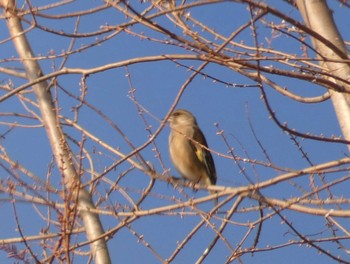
column 203, row 154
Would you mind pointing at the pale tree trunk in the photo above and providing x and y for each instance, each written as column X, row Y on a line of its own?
column 60, row 148
column 318, row 17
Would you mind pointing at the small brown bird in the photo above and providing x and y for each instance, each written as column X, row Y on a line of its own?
column 190, row 159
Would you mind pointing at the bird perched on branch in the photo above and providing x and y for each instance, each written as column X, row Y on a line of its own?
column 189, row 149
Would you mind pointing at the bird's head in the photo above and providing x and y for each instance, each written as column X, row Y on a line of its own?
column 182, row 117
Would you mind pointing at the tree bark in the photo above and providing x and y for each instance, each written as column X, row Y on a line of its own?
column 55, row 134
column 318, row 17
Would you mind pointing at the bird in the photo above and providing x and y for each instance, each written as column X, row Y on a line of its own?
column 186, row 140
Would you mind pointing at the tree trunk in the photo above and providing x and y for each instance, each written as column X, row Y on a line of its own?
column 318, row 17
column 56, row 137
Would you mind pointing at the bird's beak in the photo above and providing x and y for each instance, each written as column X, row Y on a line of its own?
column 166, row 121
column 169, row 119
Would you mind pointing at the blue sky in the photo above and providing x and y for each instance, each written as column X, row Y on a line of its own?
column 156, row 86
